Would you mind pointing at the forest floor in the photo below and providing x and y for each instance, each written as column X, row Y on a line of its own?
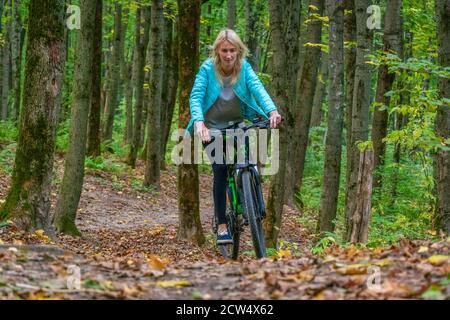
column 129, row 249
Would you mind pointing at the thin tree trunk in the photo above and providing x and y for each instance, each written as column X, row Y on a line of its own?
column 170, row 86
column 72, row 182
column 142, row 18
column 360, row 109
column 361, row 215
column 321, row 90
column 93, row 143
column 333, row 145
column 392, row 36
column 6, row 64
column 190, row 227
column 231, row 14
column 302, row 113
column 28, row 200
column 442, row 157
column 284, row 15
column 350, row 68
column 16, row 56
column 112, row 95
column 153, row 163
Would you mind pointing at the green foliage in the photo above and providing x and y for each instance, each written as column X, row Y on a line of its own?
column 326, row 241
column 101, row 164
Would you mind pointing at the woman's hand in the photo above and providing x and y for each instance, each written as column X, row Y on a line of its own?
column 275, row 119
column 202, row 131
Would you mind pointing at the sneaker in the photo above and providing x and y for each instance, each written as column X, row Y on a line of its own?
column 224, row 238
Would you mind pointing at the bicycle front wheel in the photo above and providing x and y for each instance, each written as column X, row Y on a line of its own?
column 254, row 219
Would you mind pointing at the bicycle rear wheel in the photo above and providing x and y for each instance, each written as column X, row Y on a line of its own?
column 254, row 219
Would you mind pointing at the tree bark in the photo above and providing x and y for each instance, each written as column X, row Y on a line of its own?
column 391, row 39
column 16, row 56
column 253, row 11
column 153, row 162
column 6, row 64
column 361, row 215
column 284, row 16
column 190, row 227
column 302, row 113
column 28, row 200
column 333, row 145
column 112, row 94
column 350, row 68
column 442, row 121
column 72, row 182
column 360, row 108
column 231, row 14
column 170, row 83
column 320, row 93
column 142, row 18
column 93, row 143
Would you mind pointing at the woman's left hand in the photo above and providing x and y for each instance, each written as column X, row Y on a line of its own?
column 275, row 119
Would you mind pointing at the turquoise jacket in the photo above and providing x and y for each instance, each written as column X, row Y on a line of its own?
column 248, row 89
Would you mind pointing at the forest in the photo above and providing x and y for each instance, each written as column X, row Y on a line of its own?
column 94, row 205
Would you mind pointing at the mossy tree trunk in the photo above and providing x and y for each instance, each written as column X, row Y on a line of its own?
column 72, row 182
column 142, row 19
column 28, row 199
column 285, row 31
column 299, row 129
column 112, row 93
column 333, row 144
column 360, row 109
column 153, row 157
column 190, row 227
column 442, row 157
column 93, row 144
column 392, row 41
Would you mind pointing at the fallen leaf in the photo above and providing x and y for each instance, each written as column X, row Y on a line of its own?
column 173, row 283
column 422, row 249
column 438, row 260
column 157, row 263
column 353, row 269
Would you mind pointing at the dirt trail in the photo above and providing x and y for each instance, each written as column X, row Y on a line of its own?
column 129, row 249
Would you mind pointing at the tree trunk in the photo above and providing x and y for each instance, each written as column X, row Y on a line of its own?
column 190, row 227
column 28, row 200
column 153, row 163
column 442, row 157
column 6, row 64
column 360, row 108
column 391, row 39
column 93, row 143
column 302, row 113
column 284, row 16
column 253, row 11
column 142, row 18
column 350, row 67
column 231, row 14
column 112, row 94
column 333, row 145
column 361, row 215
column 170, row 83
column 16, row 56
column 72, row 182
column 319, row 95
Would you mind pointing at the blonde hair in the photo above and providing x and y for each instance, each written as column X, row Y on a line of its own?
column 242, row 51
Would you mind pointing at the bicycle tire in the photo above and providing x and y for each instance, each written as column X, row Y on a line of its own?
column 250, row 207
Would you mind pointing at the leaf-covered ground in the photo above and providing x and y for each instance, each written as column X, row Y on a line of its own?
column 129, row 249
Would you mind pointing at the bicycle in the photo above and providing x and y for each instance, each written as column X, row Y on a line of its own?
column 245, row 203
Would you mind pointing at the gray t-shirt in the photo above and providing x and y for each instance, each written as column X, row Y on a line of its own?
column 226, row 110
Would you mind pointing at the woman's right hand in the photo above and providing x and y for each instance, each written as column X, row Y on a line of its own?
column 202, row 131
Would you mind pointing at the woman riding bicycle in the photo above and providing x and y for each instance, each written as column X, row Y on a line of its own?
column 225, row 91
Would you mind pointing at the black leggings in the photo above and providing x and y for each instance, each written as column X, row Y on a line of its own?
column 219, row 186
